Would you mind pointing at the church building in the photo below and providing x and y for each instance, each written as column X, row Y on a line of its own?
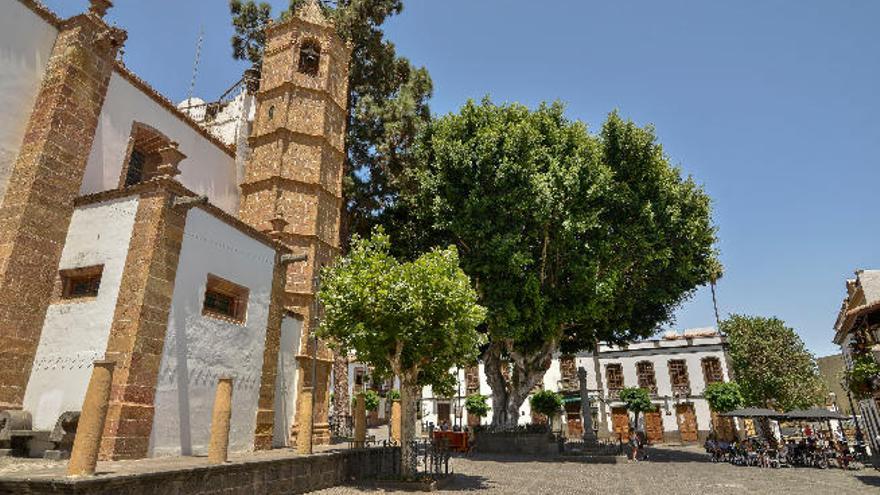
column 181, row 242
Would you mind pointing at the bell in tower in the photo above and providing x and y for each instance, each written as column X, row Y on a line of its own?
column 293, row 180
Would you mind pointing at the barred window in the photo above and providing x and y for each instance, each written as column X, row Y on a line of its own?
column 712, row 372
column 225, row 300
column 647, row 379
column 678, row 376
column 614, row 377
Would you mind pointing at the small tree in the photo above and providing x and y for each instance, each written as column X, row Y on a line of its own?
column 546, row 402
column 724, row 396
column 477, row 405
column 416, row 319
column 371, row 401
column 393, row 395
column 637, row 401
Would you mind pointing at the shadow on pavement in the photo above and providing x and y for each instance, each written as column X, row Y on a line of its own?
column 869, row 480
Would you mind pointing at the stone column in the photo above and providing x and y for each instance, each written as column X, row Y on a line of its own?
column 87, row 443
column 360, row 421
column 304, row 414
column 586, row 414
column 395, row 421
column 45, row 179
column 218, row 449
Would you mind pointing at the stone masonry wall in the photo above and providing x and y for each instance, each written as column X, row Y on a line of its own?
column 45, row 180
column 261, row 477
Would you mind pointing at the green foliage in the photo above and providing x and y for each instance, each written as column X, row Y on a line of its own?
column 546, row 402
column 477, row 405
column 388, row 100
column 393, row 395
column 861, row 378
column 249, row 20
column 771, row 363
column 637, row 400
column 724, row 396
column 568, row 236
column 371, row 400
column 414, row 319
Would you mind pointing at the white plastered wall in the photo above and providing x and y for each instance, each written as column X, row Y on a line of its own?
column 285, row 380
column 207, row 169
column 201, row 349
column 75, row 334
column 26, row 41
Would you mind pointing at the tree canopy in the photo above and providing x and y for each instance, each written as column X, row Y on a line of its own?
column 477, row 405
column 546, row 402
column 569, row 237
column 413, row 319
column 723, row 396
column 637, row 401
column 772, row 366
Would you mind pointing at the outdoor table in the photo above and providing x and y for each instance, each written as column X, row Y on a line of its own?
column 457, row 440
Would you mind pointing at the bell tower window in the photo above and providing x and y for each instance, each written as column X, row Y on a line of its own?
column 310, row 58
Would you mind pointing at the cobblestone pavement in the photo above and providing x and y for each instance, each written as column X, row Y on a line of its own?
column 668, row 471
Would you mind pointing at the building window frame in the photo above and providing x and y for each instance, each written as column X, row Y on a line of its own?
column 679, row 379
column 714, row 372
column 647, row 376
column 614, row 379
column 225, row 300
column 81, row 284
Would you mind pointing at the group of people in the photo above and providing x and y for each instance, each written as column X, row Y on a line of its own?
column 809, row 451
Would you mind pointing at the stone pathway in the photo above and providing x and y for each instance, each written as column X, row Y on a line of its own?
column 683, row 470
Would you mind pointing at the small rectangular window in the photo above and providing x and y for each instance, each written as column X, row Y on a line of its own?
column 225, row 300
column 81, row 283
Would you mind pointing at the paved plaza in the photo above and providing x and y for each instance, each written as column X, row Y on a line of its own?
column 669, row 471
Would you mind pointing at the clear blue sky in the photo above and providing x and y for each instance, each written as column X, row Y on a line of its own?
column 773, row 105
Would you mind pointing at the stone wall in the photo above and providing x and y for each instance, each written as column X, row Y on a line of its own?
column 516, row 443
column 260, row 477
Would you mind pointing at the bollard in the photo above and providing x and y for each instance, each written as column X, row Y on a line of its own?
column 218, row 449
column 304, row 418
column 395, row 421
column 87, row 443
column 360, row 421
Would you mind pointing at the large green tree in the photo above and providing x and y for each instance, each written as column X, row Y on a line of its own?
column 388, row 99
column 415, row 319
column 569, row 237
column 772, row 366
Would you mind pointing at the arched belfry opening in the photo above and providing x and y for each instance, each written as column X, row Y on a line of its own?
column 310, row 57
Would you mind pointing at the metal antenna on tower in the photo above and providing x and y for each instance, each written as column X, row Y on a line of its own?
column 192, row 83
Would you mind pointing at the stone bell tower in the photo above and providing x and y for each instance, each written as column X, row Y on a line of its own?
column 293, row 180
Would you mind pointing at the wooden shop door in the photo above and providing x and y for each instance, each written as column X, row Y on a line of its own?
column 620, row 423
column 654, row 427
column 724, row 428
column 687, row 422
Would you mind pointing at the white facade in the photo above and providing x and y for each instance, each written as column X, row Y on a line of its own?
column 208, row 169
column 659, row 352
column 285, row 380
column 200, row 349
column 75, row 333
column 26, row 42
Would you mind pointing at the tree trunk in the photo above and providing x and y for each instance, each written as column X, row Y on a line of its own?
column 408, row 402
column 715, row 306
column 526, row 371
